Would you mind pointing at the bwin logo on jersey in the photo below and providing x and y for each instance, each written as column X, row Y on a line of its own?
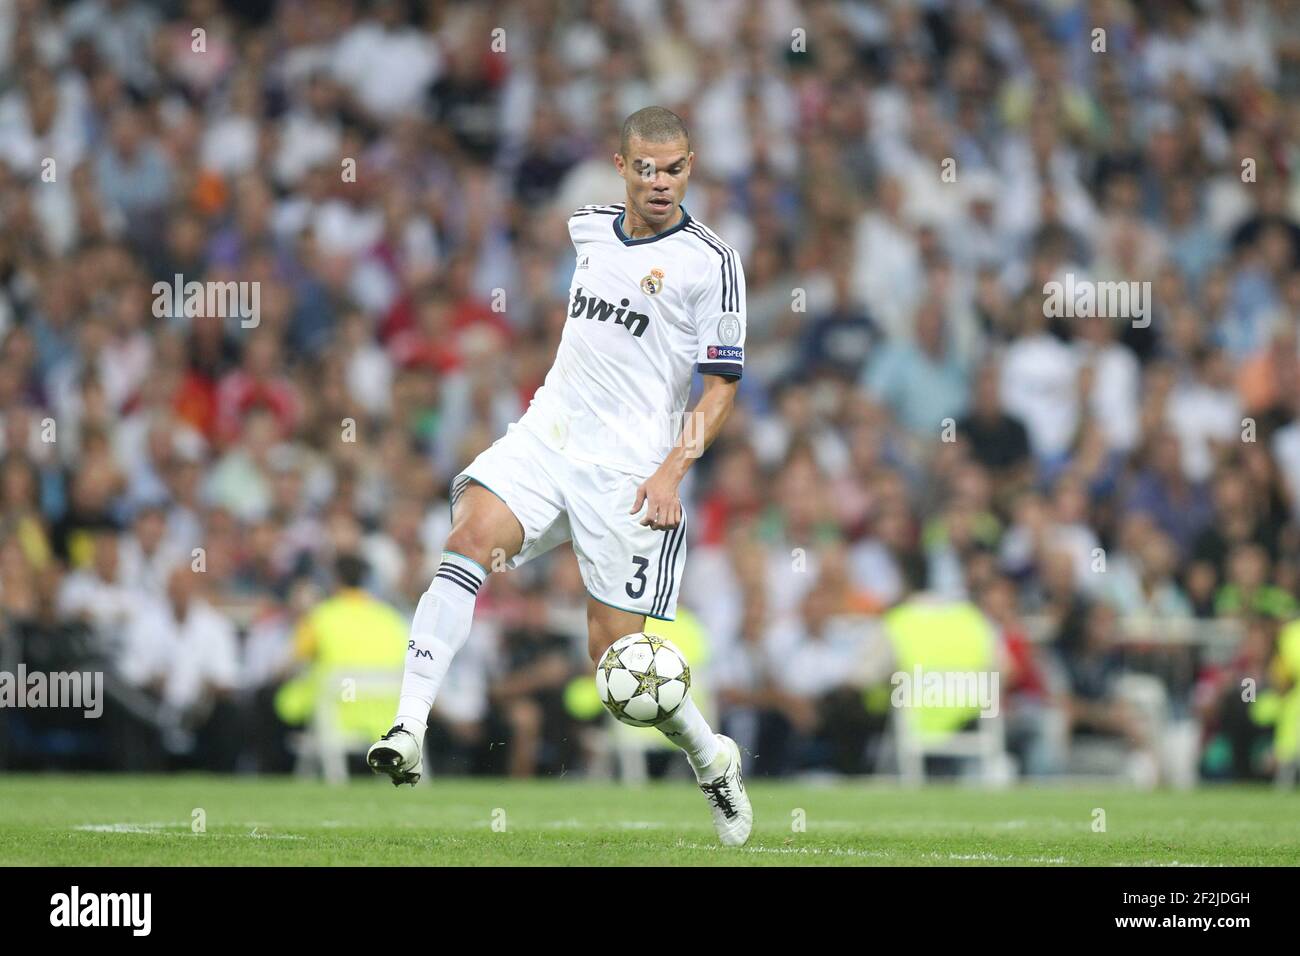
column 600, row 310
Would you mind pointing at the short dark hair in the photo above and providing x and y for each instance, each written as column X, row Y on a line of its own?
column 656, row 124
column 350, row 569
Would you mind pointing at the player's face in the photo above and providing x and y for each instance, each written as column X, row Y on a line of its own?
column 656, row 175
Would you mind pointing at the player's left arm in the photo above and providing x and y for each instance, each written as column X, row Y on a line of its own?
column 719, row 310
column 704, row 422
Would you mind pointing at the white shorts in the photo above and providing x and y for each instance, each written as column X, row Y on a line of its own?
column 624, row 564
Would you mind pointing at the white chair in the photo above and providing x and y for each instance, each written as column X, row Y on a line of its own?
column 326, row 743
column 985, row 744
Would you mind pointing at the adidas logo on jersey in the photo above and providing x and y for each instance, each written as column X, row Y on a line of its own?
column 600, row 310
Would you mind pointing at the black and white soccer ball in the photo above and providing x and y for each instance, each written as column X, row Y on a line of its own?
column 643, row 679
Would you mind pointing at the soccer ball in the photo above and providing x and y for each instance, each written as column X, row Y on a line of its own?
column 643, row 679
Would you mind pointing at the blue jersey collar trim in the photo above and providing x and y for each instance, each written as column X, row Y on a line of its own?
column 618, row 230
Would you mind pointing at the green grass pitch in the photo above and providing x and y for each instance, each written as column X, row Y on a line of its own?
column 149, row 821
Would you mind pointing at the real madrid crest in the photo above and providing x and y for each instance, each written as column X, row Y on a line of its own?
column 652, row 283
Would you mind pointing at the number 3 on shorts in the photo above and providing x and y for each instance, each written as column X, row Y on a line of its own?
column 641, row 564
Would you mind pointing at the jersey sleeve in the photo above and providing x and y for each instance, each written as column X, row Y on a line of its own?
column 574, row 221
column 720, row 316
column 583, row 222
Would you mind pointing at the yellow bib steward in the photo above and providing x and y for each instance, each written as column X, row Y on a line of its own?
column 352, row 629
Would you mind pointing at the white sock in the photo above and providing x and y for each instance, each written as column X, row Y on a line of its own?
column 689, row 730
column 438, row 630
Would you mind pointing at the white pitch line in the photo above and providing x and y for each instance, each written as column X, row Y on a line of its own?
column 274, row 836
column 126, row 827
column 879, row 854
column 178, row 829
column 572, row 824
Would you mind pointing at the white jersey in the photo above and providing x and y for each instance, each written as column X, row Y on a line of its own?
column 643, row 315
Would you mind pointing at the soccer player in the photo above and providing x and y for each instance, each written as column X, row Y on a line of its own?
column 598, row 456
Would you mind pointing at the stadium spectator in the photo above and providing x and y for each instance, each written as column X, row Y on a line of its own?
column 814, row 656
column 1096, row 705
column 527, row 694
column 1034, row 717
column 187, row 652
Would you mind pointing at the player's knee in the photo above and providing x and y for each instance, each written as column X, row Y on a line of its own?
column 473, row 541
column 484, row 529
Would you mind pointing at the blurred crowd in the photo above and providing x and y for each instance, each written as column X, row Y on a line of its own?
column 180, row 488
